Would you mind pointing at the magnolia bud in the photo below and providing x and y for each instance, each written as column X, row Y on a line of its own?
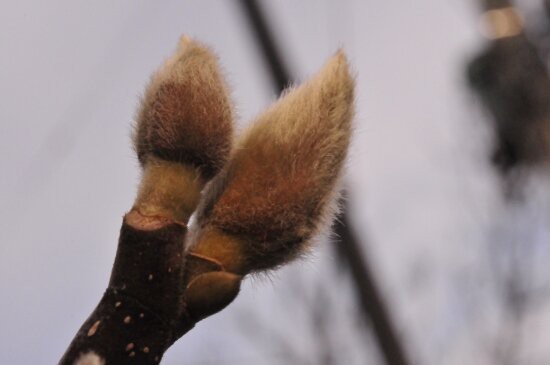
column 280, row 187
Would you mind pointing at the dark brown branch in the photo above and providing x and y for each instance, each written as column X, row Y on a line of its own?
column 148, row 304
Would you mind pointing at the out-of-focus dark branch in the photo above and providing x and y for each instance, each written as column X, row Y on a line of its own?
column 372, row 304
column 495, row 4
column 279, row 73
column 511, row 79
column 369, row 294
column 513, row 82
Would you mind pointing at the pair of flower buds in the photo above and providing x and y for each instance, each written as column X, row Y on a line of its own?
column 259, row 200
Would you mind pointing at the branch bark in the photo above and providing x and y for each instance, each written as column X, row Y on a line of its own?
column 148, row 304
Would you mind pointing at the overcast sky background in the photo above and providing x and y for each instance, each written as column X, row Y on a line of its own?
column 71, row 74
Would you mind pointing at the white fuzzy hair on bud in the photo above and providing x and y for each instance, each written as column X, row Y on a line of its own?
column 281, row 184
